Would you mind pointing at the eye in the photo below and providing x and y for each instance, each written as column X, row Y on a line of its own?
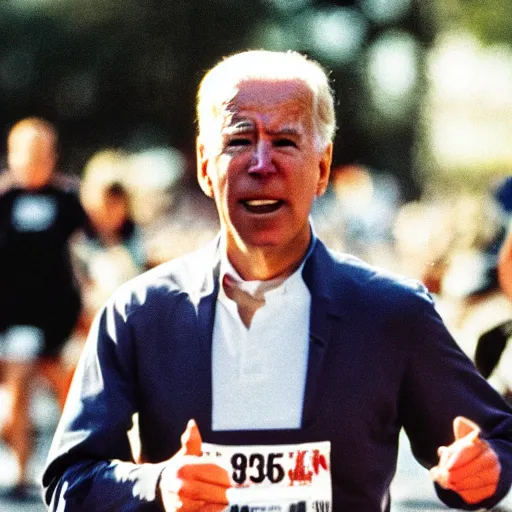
column 284, row 142
column 238, row 141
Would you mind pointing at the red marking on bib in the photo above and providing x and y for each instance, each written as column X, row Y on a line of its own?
column 318, row 461
column 299, row 474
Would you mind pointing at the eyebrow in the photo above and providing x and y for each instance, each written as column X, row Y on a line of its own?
column 286, row 130
column 240, row 127
column 245, row 126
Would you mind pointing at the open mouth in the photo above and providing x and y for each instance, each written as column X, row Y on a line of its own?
column 262, row 205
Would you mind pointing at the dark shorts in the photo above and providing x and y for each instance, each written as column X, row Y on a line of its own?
column 54, row 318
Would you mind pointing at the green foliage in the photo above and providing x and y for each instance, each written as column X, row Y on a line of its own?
column 490, row 20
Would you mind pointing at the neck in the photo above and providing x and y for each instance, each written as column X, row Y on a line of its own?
column 267, row 262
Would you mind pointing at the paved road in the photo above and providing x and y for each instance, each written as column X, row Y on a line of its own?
column 411, row 488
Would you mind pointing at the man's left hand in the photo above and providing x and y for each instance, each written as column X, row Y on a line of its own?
column 469, row 466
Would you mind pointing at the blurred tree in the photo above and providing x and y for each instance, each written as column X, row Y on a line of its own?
column 113, row 74
column 465, row 140
column 382, row 136
column 125, row 73
column 491, row 20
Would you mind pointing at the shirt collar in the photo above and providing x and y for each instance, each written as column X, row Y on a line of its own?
column 278, row 285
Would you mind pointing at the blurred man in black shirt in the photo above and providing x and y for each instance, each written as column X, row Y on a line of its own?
column 39, row 300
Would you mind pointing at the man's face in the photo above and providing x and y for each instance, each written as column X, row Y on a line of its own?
column 31, row 156
column 262, row 165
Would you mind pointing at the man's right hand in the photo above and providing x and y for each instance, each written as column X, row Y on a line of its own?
column 189, row 482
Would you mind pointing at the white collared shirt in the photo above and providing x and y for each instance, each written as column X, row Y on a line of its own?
column 259, row 373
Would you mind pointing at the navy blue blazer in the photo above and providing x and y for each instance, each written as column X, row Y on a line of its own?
column 380, row 359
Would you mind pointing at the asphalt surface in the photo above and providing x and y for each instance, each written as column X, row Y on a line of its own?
column 411, row 489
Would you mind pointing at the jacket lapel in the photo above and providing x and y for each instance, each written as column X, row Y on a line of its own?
column 207, row 299
column 318, row 275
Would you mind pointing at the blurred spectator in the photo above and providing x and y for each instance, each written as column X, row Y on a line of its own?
column 423, row 234
column 152, row 176
column 493, row 356
column 357, row 213
column 503, row 194
column 111, row 248
column 504, row 197
column 505, row 265
column 456, row 246
column 451, row 243
column 470, row 282
column 443, row 238
column 40, row 300
column 187, row 225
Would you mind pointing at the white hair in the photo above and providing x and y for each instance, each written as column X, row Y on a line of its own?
column 268, row 65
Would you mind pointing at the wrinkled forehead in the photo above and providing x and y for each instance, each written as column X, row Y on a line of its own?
column 260, row 92
column 286, row 101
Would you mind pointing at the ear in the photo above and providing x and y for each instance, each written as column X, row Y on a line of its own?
column 202, row 169
column 324, row 170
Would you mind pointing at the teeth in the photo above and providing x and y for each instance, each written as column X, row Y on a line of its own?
column 261, row 202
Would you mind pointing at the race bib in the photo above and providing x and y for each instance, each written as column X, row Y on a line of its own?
column 277, row 478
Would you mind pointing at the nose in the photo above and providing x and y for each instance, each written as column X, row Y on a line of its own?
column 261, row 161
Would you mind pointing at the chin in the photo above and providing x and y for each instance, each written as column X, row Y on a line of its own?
column 265, row 240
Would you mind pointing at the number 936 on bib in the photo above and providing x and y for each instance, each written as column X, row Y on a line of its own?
column 276, row 478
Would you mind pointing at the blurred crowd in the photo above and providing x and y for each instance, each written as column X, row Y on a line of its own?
column 458, row 244
column 140, row 209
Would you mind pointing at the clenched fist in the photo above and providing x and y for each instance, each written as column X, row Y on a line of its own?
column 189, row 482
column 469, row 466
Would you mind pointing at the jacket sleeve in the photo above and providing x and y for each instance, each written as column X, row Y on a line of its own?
column 90, row 465
column 441, row 383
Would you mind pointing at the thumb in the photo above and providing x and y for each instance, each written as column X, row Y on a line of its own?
column 463, row 427
column 191, row 439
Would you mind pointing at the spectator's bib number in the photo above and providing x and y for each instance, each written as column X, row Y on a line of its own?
column 277, row 478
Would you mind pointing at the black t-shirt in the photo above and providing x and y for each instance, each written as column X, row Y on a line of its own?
column 35, row 263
